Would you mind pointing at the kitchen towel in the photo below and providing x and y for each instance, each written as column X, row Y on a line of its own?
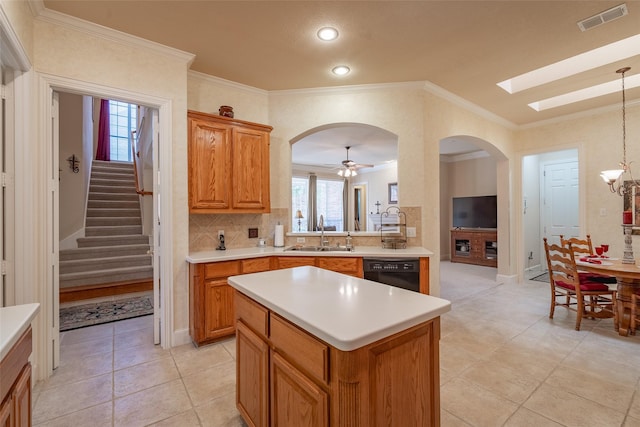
column 278, row 238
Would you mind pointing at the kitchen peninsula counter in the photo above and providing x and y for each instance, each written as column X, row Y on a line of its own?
column 316, row 347
column 198, row 257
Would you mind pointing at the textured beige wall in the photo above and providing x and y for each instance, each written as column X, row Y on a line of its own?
column 598, row 138
column 77, row 55
column 73, row 186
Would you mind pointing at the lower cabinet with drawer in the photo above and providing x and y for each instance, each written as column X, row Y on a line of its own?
column 288, row 377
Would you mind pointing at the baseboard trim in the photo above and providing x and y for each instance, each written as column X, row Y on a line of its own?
column 79, row 293
column 180, row 337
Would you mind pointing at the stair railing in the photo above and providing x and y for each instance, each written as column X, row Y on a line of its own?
column 136, row 153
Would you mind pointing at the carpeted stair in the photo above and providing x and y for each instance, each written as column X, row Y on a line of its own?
column 114, row 249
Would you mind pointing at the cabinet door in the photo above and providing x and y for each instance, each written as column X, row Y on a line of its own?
column 250, row 169
column 219, row 315
column 22, row 398
column 252, row 377
column 296, row 401
column 6, row 411
column 209, row 165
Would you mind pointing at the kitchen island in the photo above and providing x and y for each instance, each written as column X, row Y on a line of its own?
column 319, row 348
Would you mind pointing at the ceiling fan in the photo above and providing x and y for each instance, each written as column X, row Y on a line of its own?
column 349, row 167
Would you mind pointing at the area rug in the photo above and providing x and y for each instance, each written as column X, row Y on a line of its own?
column 80, row 316
column 544, row 277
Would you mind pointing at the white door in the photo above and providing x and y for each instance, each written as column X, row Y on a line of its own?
column 157, row 300
column 53, row 241
column 560, row 200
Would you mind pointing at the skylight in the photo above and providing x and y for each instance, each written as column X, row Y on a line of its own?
column 587, row 93
column 604, row 55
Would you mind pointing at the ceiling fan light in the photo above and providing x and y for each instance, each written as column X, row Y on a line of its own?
column 354, row 173
column 341, row 172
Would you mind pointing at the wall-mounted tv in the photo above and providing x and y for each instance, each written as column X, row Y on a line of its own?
column 475, row 212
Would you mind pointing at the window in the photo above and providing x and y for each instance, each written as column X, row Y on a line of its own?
column 329, row 202
column 122, row 120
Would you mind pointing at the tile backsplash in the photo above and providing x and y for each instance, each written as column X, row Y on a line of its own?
column 203, row 230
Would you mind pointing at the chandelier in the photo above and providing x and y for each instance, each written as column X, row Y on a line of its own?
column 612, row 176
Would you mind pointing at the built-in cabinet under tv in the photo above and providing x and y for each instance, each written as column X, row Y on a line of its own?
column 475, row 246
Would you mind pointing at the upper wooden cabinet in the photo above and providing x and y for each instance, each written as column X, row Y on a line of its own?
column 228, row 165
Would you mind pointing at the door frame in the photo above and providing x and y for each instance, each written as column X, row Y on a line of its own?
column 47, row 85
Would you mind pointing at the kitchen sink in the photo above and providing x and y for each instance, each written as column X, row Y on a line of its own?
column 319, row 249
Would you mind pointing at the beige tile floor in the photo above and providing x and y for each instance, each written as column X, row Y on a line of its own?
column 503, row 363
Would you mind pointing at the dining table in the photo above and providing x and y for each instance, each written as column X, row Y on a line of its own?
column 628, row 282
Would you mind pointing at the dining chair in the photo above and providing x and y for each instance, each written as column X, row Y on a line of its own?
column 582, row 248
column 587, row 298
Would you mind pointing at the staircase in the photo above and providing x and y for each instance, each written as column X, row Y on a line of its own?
column 114, row 256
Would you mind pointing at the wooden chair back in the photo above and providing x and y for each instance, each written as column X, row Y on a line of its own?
column 561, row 265
column 580, row 247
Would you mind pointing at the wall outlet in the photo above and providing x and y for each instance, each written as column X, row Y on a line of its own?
column 300, row 240
column 253, row 233
column 411, row 232
column 220, row 233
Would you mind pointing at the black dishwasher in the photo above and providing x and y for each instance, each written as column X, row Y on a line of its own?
column 400, row 272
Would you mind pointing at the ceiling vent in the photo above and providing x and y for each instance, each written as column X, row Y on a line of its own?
column 603, row 17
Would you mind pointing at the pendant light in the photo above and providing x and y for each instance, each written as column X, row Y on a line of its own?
column 613, row 176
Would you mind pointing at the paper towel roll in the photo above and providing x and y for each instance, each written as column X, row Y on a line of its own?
column 278, row 238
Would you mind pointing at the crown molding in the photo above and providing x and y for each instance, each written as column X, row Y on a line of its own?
column 12, row 53
column 467, row 105
column 224, row 82
column 347, row 89
column 57, row 18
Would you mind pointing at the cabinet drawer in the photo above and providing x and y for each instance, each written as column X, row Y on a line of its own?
column 306, row 352
column 252, row 314
column 295, row 261
column 255, row 265
column 221, row 269
column 341, row 265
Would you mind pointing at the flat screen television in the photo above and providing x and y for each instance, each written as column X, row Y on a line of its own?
column 475, row 212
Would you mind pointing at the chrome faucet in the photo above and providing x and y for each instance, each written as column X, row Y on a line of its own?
column 323, row 242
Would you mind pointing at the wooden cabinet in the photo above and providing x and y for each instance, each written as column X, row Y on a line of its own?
column 475, row 247
column 15, row 384
column 345, row 265
column 228, row 162
column 393, row 381
column 211, row 314
column 295, row 399
column 252, row 352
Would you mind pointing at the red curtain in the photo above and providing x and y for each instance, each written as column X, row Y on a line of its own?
column 104, row 147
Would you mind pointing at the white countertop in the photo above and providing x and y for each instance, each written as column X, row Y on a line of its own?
column 14, row 320
column 344, row 311
column 255, row 252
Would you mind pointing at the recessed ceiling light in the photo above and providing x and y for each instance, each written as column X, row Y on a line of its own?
column 340, row 70
column 327, row 33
